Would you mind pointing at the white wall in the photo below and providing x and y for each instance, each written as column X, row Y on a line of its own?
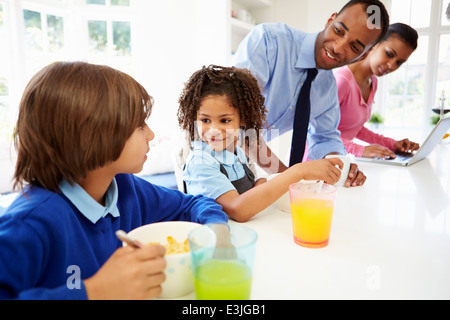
column 309, row 15
column 180, row 37
column 164, row 51
column 306, row 15
column 320, row 11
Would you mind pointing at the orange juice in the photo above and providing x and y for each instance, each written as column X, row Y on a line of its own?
column 311, row 221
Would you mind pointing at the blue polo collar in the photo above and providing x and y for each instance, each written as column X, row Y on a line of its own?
column 90, row 208
column 224, row 156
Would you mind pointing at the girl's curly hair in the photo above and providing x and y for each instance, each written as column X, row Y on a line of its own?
column 240, row 87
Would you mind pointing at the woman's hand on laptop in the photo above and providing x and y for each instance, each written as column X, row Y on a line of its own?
column 406, row 145
column 378, row 151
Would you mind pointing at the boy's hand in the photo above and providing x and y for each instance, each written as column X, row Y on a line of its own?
column 129, row 274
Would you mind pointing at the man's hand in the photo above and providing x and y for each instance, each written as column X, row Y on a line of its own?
column 355, row 177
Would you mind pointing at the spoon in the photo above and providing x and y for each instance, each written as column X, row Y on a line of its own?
column 224, row 248
column 125, row 238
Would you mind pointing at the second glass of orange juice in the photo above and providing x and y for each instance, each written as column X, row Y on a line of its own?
column 312, row 212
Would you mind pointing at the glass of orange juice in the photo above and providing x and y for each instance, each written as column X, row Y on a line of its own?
column 312, row 207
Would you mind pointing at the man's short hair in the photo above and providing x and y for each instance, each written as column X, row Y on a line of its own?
column 384, row 15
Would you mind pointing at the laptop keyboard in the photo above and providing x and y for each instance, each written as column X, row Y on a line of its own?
column 401, row 156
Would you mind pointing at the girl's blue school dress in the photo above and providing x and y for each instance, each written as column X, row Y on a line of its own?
column 213, row 173
column 50, row 242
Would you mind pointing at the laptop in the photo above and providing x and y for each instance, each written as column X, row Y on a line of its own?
column 408, row 159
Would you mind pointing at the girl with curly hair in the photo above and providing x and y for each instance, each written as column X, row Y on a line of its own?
column 222, row 110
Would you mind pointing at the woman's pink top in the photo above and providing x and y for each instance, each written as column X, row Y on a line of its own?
column 355, row 112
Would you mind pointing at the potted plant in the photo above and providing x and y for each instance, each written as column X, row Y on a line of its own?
column 376, row 119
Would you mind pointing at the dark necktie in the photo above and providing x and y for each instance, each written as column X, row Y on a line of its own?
column 301, row 120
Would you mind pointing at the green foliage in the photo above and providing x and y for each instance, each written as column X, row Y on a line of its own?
column 122, row 38
column 4, row 86
column 376, row 118
column 434, row 119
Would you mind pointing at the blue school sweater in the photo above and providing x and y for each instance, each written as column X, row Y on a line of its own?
column 47, row 246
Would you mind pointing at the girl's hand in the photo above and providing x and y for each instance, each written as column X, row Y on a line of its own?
column 129, row 274
column 324, row 169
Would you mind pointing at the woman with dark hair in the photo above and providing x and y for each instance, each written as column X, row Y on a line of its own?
column 357, row 85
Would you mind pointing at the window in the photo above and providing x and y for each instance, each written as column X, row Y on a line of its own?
column 121, row 38
column 97, row 36
column 109, row 33
column 6, row 112
column 43, row 38
column 407, row 96
column 47, row 31
column 111, row 2
column 38, row 32
column 443, row 71
column 55, row 32
column 109, row 37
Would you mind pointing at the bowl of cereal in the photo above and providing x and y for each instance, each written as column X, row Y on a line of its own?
column 173, row 236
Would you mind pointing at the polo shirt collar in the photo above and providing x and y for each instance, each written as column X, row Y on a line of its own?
column 90, row 208
column 306, row 58
column 224, row 156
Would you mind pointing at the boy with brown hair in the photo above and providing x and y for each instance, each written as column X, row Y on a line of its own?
column 80, row 136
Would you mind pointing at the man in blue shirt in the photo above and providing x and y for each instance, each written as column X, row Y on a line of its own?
column 279, row 57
